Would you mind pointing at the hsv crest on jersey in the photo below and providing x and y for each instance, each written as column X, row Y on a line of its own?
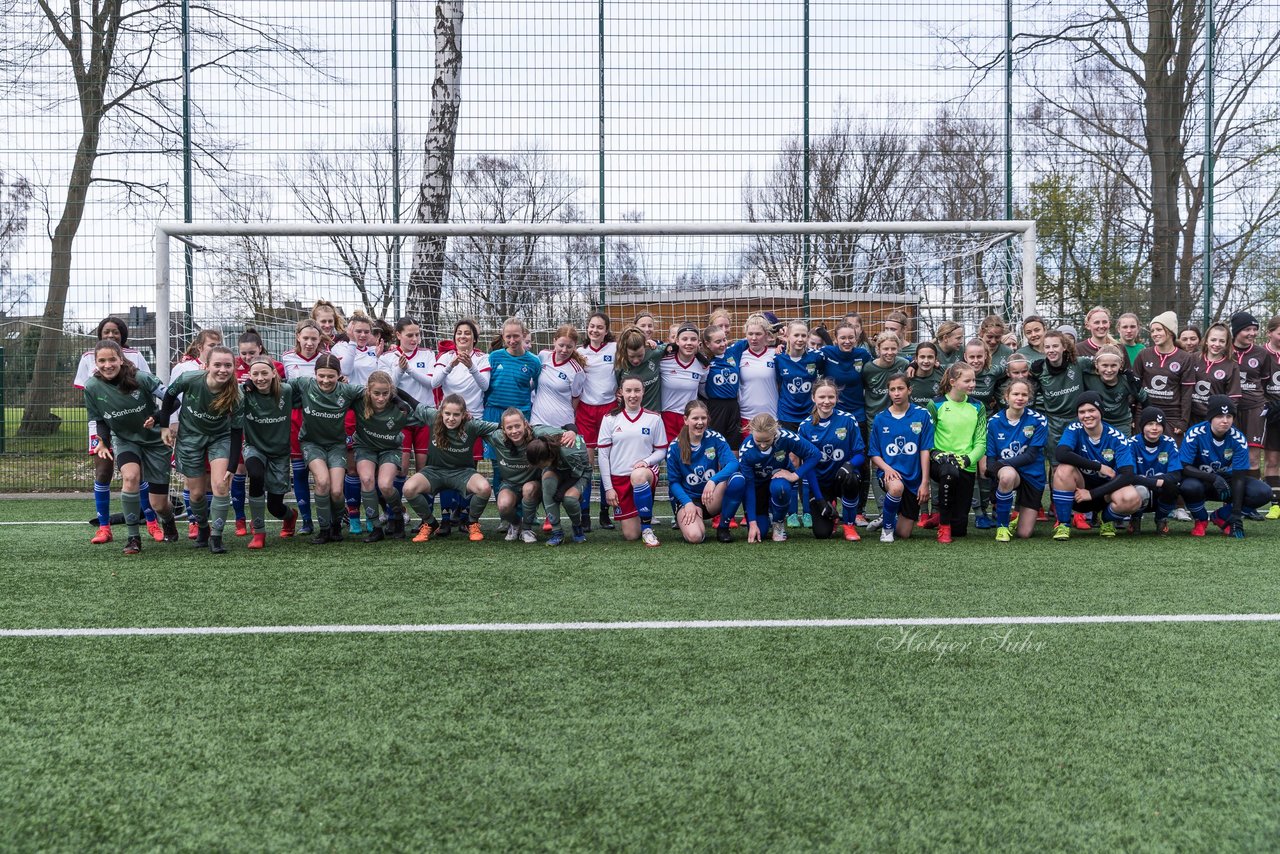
column 644, row 431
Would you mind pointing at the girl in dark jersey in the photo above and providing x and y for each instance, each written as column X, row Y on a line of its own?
column 325, row 402
column 268, row 416
column 1121, row 394
column 1161, row 369
column 1215, row 372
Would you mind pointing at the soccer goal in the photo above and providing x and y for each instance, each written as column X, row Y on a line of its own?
column 269, row 274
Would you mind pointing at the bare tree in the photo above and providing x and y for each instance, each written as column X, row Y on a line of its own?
column 505, row 276
column 426, row 278
column 15, row 204
column 251, row 272
column 1137, row 86
column 354, row 187
column 119, row 55
column 857, row 173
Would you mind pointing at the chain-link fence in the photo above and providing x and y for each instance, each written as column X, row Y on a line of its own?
column 1091, row 119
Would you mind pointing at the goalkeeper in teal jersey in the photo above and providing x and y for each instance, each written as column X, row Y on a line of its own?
column 210, row 432
column 122, row 401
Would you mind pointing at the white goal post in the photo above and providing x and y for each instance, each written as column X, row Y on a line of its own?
column 165, row 231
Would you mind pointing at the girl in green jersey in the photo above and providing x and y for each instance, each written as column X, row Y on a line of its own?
column 379, row 436
column 324, row 402
column 268, row 416
column 122, row 402
column 450, row 464
column 208, row 442
column 520, row 487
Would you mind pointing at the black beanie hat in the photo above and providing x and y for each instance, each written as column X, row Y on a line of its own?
column 1148, row 415
column 1241, row 321
column 1220, row 404
column 1089, row 398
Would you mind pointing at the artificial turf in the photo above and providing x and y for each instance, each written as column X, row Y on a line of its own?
column 1095, row 736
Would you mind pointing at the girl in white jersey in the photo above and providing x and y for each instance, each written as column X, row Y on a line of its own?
column 410, row 368
column 632, row 443
column 359, row 358
column 564, row 374
column 684, row 376
column 463, row 371
column 599, row 396
column 301, row 362
column 111, row 329
column 757, row 383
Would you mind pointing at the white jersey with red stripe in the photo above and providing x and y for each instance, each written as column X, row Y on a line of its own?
column 601, row 385
column 558, row 385
column 187, row 364
column 89, row 364
column 298, row 366
column 758, row 383
column 452, row 378
column 415, row 377
column 628, row 438
column 357, row 362
column 681, row 382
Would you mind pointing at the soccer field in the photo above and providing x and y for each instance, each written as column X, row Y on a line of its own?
column 997, row 735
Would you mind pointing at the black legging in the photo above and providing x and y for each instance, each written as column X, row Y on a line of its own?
column 955, row 494
column 845, row 485
column 257, row 471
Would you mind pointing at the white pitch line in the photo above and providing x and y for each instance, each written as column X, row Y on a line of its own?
column 648, row 625
column 81, row 523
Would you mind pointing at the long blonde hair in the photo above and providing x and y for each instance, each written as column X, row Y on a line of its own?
column 375, row 377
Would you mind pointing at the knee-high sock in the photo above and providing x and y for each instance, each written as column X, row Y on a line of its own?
column 324, row 510
column 237, row 495
column 549, row 487
column 351, row 494
column 1109, row 515
column 1004, row 508
column 258, row 512
column 421, row 505
column 1062, row 503
column 476, row 506
column 642, row 495
column 733, row 494
column 1274, row 482
column 780, row 493
column 301, row 490
column 144, row 493
column 393, row 500
column 889, row 512
column 102, row 502
column 372, row 510
column 529, row 511
column 132, row 502
column 218, row 514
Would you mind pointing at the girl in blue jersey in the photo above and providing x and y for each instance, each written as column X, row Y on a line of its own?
column 1016, row 437
column 796, row 369
column 722, row 385
column 699, row 466
column 845, row 362
column 838, row 437
column 513, row 377
column 900, row 446
column 1157, row 468
column 1215, row 467
column 769, row 478
column 1094, row 472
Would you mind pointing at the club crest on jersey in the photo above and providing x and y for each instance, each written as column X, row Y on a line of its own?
column 136, row 393
column 1028, row 431
column 779, row 455
column 916, row 427
column 1173, row 366
column 422, row 364
column 1253, row 363
column 711, row 453
column 731, row 362
column 812, row 369
column 1108, row 454
column 645, row 431
column 607, row 358
column 1163, row 457
column 1219, row 375
column 342, row 401
column 841, row 433
column 1227, row 453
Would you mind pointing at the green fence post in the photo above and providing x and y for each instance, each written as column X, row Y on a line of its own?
column 3, row 413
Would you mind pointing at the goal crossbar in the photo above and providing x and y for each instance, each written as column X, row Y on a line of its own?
column 165, row 231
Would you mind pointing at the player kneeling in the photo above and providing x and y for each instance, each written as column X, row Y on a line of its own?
column 1095, row 471
column 900, row 444
column 838, row 437
column 1215, row 467
column 1015, row 460
column 699, row 467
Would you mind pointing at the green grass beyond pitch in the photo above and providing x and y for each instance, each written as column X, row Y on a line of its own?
column 1091, row 736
